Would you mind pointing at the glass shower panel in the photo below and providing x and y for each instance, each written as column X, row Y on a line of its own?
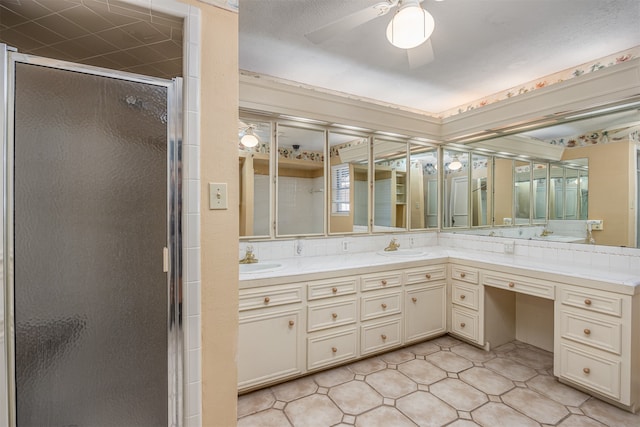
column 90, row 222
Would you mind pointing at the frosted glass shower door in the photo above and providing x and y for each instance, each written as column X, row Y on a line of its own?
column 90, row 222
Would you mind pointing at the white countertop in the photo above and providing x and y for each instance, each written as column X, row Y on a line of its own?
column 314, row 267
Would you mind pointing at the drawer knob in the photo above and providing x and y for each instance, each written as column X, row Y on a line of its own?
column 463, row 275
column 383, row 305
column 428, row 276
column 462, row 296
column 334, row 290
column 587, row 302
column 462, row 325
column 334, row 315
column 414, row 299
column 291, row 323
column 587, row 331
column 586, row 370
column 334, row 350
column 384, row 282
column 383, row 336
column 511, row 284
column 266, row 300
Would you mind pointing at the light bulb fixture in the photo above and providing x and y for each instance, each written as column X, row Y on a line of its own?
column 248, row 138
column 410, row 26
column 455, row 164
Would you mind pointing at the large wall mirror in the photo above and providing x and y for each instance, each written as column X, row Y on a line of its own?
column 456, row 197
column 423, row 186
column 389, row 185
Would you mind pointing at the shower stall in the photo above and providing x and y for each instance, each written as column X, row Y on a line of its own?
column 91, row 261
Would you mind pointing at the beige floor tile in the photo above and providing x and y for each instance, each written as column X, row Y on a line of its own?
column 449, row 361
column 504, row 348
column 268, row 418
column 446, row 341
column 294, row 389
column 532, row 357
column 422, row 371
column 510, row 369
column 390, row 383
column 486, row 380
column 398, row 356
column 424, row 348
column 580, row 421
column 255, row 402
column 355, row 397
column 458, row 394
column 463, row 423
column 367, row 366
column 610, row 415
column 384, row 416
column 535, row 405
column 333, row 377
column 472, row 353
column 550, row 387
column 314, row 410
column 499, row 414
column 426, row 410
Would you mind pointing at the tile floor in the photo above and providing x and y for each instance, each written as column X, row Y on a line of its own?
column 442, row 382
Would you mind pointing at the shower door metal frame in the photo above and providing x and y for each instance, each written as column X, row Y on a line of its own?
column 175, row 340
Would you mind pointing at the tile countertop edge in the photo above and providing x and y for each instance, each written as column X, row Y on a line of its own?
column 302, row 269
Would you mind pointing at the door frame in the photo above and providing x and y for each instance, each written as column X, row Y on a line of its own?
column 172, row 256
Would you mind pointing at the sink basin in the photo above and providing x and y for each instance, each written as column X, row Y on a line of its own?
column 403, row 253
column 260, row 267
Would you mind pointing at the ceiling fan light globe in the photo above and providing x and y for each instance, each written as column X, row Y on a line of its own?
column 455, row 165
column 410, row 27
column 249, row 140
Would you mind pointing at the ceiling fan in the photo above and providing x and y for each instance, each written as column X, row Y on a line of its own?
column 409, row 29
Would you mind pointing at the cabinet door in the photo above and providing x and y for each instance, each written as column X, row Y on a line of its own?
column 269, row 347
column 425, row 314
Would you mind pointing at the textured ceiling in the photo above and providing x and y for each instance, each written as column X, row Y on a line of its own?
column 481, row 47
column 103, row 33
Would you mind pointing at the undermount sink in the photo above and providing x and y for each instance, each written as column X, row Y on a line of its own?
column 403, row 253
column 261, row 267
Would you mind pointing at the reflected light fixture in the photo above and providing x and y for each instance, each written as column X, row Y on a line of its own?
column 410, row 26
column 248, row 138
column 455, row 164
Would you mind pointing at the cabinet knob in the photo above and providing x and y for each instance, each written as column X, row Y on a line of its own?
column 428, row 276
column 462, row 296
column 587, row 331
column 266, row 300
column 587, row 302
column 462, row 325
column 334, row 350
column 414, row 299
column 383, row 336
column 383, row 305
column 291, row 323
column 511, row 284
column 334, row 315
column 463, row 275
column 334, row 290
column 586, row 370
column 384, row 282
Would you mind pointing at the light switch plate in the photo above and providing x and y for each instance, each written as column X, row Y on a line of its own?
column 217, row 195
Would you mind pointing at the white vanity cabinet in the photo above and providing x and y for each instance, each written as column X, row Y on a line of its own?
column 425, row 301
column 380, row 311
column 270, row 342
column 596, row 336
column 467, row 310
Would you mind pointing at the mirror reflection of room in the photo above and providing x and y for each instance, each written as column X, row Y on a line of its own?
column 423, row 187
column 389, row 185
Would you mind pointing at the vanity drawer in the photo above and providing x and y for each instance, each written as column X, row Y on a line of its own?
column 426, row 274
column 381, row 281
column 380, row 305
column 464, row 295
column 269, row 297
column 329, row 349
column 466, row 274
column 597, row 373
column 592, row 332
column 464, row 323
column 332, row 288
column 332, row 314
column 524, row 285
column 381, row 335
column 591, row 300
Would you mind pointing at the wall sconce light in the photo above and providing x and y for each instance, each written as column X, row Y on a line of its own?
column 455, row 164
column 248, row 138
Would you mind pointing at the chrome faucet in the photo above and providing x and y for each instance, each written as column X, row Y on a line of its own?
column 393, row 246
column 249, row 257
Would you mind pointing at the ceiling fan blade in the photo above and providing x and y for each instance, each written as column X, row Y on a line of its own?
column 420, row 55
column 349, row 22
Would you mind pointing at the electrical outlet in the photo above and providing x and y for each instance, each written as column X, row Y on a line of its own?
column 412, row 241
column 509, row 246
column 345, row 246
